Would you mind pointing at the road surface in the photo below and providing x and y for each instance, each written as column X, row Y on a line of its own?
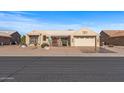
column 61, row 69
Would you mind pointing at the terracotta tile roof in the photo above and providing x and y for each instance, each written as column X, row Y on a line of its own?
column 50, row 32
column 114, row 33
column 84, row 32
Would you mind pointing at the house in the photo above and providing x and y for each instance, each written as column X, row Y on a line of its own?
column 112, row 37
column 9, row 37
column 82, row 37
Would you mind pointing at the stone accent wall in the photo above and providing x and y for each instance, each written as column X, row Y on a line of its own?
column 104, row 38
column 15, row 38
column 5, row 40
column 118, row 41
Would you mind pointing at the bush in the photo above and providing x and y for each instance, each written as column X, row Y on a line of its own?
column 23, row 40
column 111, row 45
column 44, row 45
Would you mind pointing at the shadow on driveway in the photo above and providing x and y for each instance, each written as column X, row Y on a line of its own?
column 93, row 50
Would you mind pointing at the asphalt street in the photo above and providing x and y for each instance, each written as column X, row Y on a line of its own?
column 61, row 69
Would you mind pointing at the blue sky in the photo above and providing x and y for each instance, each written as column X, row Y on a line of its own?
column 26, row 21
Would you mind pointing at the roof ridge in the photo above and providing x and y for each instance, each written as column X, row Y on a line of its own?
column 114, row 33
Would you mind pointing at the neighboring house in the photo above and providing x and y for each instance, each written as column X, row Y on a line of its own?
column 9, row 37
column 112, row 37
column 82, row 37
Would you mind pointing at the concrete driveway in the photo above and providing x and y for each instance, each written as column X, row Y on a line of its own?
column 118, row 49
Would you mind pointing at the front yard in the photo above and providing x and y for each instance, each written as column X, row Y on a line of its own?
column 16, row 50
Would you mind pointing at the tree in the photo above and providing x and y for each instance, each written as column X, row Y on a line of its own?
column 23, row 39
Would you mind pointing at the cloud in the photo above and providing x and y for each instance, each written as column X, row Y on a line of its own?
column 21, row 22
column 25, row 24
column 14, row 17
column 29, row 26
column 21, row 13
column 18, row 21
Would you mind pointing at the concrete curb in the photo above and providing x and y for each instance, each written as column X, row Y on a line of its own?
column 68, row 55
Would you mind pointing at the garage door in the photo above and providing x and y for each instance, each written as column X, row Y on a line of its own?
column 84, row 41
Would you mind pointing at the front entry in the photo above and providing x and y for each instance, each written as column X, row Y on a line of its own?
column 33, row 39
column 60, row 40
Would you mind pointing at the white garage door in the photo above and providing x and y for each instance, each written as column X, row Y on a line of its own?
column 84, row 41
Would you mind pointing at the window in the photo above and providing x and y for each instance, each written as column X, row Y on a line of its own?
column 33, row 39
column 44, row 38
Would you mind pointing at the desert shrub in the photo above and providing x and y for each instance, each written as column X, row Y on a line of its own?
column 44, row 45
column 23, row 40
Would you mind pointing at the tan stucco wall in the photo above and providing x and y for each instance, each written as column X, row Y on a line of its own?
column 27, row 39
column 40, row 39
column 98, row 41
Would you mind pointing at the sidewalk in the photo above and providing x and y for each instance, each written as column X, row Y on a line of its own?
column 67, row 55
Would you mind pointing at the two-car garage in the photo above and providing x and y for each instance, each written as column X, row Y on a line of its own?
column 84, row 40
